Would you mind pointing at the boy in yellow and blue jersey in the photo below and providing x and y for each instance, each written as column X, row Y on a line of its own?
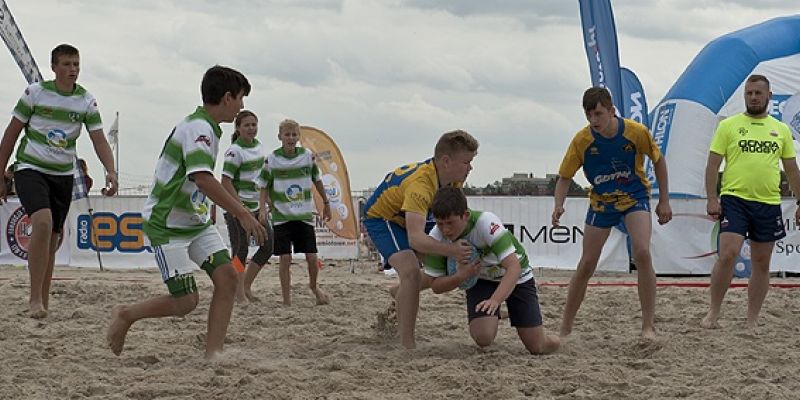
column 397, row 213
column 611, row 151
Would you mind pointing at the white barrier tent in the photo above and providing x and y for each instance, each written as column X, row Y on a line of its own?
column 687, row 245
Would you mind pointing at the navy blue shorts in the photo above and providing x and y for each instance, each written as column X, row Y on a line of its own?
column 754, row 220
column 609, row 219
column 523, row 303
column 387, row 236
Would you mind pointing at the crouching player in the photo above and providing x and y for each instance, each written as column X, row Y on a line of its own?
column 502, row 269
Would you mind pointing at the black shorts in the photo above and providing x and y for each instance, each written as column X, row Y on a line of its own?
column 38, row 191
column 240, row 241
column 754, row 220
column 294, row 235
column 523, row 303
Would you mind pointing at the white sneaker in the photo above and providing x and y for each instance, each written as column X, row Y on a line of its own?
column 391, row 273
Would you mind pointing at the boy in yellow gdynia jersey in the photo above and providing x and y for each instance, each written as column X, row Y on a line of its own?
column 397, row 213
column 611, row 152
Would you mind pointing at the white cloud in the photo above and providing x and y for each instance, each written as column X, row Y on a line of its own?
column 384, row 78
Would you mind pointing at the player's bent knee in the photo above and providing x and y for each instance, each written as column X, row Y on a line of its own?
column 483, row 339
column 726, row 261
column 215, row 261
column 186, row 304
column 481, row 334
column 181, row 285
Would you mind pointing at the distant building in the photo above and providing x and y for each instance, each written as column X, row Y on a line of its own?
column 527, row 184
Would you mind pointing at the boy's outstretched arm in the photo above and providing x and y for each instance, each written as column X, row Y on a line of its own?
column 663, row 209
column 214, row 190
column 447, row 283
column 326, row 208
column 10, row 137
column 103, row 151
column 559, row 195
column 506, row 286
column 422, row 243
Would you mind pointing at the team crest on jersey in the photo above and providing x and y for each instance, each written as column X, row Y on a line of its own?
column 73, row 116
column 198, row 200
column 628, row 147
column 204, row 139
column 230, row 153
column 294, row 193
column 594, row 151
column 493, row 227
column 742, row 131
column 773, row 133
column 57, row 138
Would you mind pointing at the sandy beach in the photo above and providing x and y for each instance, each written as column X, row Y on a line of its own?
column 344, row 351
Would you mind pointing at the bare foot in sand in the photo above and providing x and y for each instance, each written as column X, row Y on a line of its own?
column 37, row 311
column 115, row 337
column 252, row 298
column 213, row 355
column 710, row 322
column 322, row 297
column 649, row 333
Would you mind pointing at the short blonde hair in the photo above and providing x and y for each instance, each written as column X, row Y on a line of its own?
column 288, row 125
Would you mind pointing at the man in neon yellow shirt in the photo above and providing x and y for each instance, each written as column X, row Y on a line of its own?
column 752, row 144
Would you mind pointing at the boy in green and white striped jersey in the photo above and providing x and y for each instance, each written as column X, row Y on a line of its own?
column 502, row 267
column 52, row 113
column 177, row 221
column 289, row 177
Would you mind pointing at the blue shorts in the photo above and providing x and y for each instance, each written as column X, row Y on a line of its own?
column 754, row 220
column 609, row 219
column 387, row 236
column 522, row 303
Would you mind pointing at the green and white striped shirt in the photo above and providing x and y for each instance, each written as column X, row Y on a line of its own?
column 243, row 164
column 494, row 243
column 53, row 122
column 176, row 208
column 289, row 179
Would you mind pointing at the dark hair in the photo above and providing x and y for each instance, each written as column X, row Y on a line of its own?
column 82, row 165
column 447, row 202
column 219, row 80
column 62, row 50
column 238, row 121
column 453, row 142
column 596, row 95
column 758, row 78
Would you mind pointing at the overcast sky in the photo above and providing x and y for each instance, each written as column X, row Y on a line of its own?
column 383, row 78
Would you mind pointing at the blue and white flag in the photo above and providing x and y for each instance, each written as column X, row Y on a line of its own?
column 600, row 40
column 113, row 133
column 17, row 46
column 634, row 103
